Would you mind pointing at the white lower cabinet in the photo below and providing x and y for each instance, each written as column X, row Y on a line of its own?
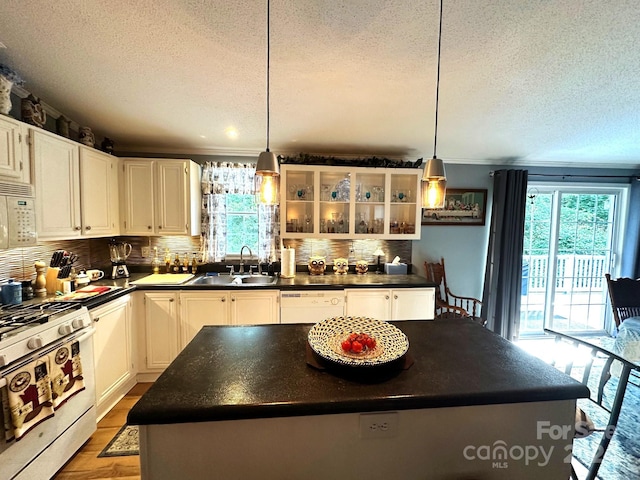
column 113, row 355
column 173, row 317
column 161, row 329
column 373, row 303
column 391, row 304
column 255, row 307
column 200, row 308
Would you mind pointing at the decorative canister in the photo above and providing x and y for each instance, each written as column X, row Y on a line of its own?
column 62, row 126
column 82, row 279
column 27, row 290
column 362, row 266
column 5, row 95
column 316, row 264
column 107, row 145
column 8, row 78
column 86, row 136
column 12, row 293
column 341, row 266
column 32, row 111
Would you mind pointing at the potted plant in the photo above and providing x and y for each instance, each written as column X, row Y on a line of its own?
column 8, row 78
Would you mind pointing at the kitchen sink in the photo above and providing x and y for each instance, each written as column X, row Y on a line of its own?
column 260, row 280
column 237, row 280
column 226, row 280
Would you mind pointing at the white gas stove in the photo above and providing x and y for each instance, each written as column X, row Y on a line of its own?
column 35, row 334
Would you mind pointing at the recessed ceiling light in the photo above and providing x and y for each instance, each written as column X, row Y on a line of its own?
column 203, row 136
column 231, row 132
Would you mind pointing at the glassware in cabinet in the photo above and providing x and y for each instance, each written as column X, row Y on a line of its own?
column 299, row 205
column 404, row 210
column 369, row 202
column 335, row 195
column 369, row 188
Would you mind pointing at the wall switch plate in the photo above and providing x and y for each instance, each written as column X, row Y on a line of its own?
column 146, row 251
column 378, row 425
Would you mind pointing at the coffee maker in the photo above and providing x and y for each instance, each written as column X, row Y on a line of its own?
column 119, row 252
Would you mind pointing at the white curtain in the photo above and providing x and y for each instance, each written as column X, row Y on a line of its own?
column 219, row 179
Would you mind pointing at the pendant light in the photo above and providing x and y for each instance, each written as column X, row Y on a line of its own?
column 267, row 176
column 434, row 179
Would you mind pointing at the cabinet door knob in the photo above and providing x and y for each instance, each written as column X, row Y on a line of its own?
column 233, row 299
column 77, row 228
column 159, row 227
column 386, row 297
column 171, row 299
column 149, row 227
column 88, row 227
column 223, row 299
column 395, row 297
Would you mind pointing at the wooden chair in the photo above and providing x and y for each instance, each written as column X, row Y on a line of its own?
column 605, row 401
column 449, row 305
column 625, row 298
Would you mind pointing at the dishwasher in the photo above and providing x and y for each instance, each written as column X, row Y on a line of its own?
column 310, row 306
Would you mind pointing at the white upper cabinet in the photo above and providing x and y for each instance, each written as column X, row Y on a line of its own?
column 350, row 202
column 138, row 205
column 161, row 197
column 57, row 180
column 99, row 192
column 76, row 188
column 14, row 157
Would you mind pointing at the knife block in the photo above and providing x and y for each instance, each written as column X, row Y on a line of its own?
column 52, row 280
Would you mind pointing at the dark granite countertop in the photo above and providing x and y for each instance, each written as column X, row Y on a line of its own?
column 231, row 372
column 98, row 300
column 302, row 280
column 95, row 301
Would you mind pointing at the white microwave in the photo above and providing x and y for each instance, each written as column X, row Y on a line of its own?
column 17, row 222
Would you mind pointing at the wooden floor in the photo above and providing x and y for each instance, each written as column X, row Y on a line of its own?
column 86, row 465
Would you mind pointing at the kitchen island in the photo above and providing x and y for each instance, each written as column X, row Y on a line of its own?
column 242, row 402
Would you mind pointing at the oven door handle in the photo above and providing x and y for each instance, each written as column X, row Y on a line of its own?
column 87, row 333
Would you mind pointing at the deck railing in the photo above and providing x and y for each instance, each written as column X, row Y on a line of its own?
column 573, row 273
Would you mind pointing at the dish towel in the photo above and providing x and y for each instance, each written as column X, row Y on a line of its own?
column 66, row 373
column 6, row 414
column 29, row 396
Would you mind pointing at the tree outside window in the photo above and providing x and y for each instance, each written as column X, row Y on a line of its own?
column 242, row 222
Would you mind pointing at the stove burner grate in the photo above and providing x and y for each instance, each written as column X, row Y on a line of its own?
column 16, row 318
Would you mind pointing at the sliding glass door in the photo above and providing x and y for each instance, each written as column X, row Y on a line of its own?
column 571, row 241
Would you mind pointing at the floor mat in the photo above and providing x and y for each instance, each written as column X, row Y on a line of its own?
column 125, row 442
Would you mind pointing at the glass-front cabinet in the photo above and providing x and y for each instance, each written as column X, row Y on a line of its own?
column 344, row 202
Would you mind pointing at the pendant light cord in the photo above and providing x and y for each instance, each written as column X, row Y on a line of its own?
column 268, row 63
column 435, row 136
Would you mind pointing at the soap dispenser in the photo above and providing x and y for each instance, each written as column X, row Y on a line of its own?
column 155, row 263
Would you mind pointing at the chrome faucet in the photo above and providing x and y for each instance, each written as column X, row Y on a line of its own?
column 241, row 270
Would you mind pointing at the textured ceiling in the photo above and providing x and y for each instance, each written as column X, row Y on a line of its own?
column 523, row 81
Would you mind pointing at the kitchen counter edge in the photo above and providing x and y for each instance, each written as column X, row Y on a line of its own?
column 302, row 281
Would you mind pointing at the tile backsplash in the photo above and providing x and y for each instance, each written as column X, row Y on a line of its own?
column 18, row 263
column 351, row 249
